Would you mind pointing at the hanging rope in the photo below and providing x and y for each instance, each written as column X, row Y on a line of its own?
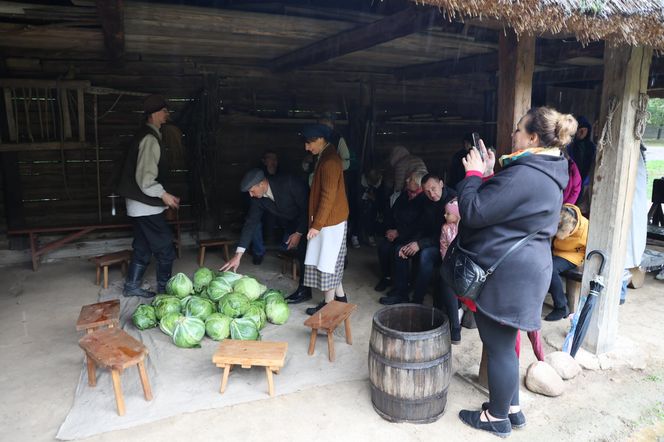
column 642, row 115
column 607, row 138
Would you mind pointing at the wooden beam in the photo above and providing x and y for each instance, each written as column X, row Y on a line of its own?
column 516, row 63
column 571, row 75
column 51, row 145
column 402, row 23
column 488, row 62
column 625, row 77
column 51, row 84
column 111, row 16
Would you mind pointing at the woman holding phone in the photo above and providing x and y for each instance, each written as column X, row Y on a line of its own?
column 496, row 212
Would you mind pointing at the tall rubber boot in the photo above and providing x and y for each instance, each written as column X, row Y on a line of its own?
column 164, row 272
column 134, row 279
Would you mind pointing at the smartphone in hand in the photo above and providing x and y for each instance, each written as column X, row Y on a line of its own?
column 476, row 144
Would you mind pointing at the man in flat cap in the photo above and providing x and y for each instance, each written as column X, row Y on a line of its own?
column 147, row 200
column 287, row 198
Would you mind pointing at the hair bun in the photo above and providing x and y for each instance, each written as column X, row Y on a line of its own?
column 566, row 126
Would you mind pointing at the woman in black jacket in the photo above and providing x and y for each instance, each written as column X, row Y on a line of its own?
column 496, row 212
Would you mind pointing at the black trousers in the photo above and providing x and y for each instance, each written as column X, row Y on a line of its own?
column 503, row 364
column 387, row 254
column 290, row 227
column 153, row 236
column 556, row 287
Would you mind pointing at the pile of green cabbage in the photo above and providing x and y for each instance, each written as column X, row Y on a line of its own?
column 220, row 305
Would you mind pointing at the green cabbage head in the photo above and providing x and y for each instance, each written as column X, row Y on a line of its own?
column 277, row 312
column 231, row 277
column 256, row 314
column 249, row 287
column 244, row 329
column 217, row 288
column 188, row 332
column 199, row 307
column 167, row 323
column 144, row 317
column 166, row 305
column 273, row 295
column 218, row 326
column 202, row 278
column 234, row 305
column 179, row 285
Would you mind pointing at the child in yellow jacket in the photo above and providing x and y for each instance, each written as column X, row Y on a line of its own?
column 569, row 251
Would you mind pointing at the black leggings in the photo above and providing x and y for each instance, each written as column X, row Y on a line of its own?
column 503, row 364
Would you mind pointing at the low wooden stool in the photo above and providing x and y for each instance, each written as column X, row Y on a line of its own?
column 213, row 242
column 328, row 318
column 289, row 264
column 101, row 314
column 116, row 350
column 123, row 257
column 246, row 354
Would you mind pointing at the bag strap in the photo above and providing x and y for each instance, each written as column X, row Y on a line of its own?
column 512, row 249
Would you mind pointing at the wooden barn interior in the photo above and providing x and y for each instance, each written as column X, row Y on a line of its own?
column 243, row 77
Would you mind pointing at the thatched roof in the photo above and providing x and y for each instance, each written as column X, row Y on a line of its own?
column 635, row 22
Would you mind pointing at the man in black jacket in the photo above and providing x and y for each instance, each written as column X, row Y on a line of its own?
column 425, row 248
column 286, row 197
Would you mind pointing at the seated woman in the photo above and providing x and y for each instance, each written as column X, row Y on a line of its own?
column 569, row 251
column 401, row 226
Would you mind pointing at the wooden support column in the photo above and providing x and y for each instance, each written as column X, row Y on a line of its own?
column 515, row 79
column 625, row 76
column 516, row 63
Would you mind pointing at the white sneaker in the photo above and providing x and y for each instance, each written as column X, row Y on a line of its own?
column 355, row 242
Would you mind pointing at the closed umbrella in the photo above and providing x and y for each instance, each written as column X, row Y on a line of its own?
column 581, row 319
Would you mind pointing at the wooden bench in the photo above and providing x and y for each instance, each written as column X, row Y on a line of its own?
column 116, row 350
column 213, row 242
column 289, row 264
column 328, row 319
column 101, row 314
column 72, row 233
column 246, row 354
column 104, row 261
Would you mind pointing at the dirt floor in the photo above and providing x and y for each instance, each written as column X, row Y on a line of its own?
column 622, row 400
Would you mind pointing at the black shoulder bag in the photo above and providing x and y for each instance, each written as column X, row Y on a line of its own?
column 464, row 275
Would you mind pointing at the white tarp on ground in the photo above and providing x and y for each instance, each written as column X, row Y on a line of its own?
column 186, row 380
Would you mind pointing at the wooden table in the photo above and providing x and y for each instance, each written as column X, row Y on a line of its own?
column 75, row 232
column 327, row 319
column 116, row 350
column 246, row 354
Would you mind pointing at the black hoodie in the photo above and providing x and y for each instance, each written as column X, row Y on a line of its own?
column 525, row 197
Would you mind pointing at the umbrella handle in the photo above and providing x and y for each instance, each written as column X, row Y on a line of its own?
column 601, row 263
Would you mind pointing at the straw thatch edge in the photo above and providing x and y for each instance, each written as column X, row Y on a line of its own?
column 612, row 21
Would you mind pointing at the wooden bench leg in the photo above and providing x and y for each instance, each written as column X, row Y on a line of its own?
column 224, row 378
column 201, row 256
column 227, row 254
column 349, row 336
column 98, row 280
column 92, row 371
column 312, row 340
column 270, row 381
column 117, row 388
column 330, row 345
column 147, row 390
column 105, row 277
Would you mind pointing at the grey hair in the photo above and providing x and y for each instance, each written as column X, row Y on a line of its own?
column 417, row 175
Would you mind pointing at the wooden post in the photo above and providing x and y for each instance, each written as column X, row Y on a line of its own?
column 515, row 83
column 625, row 76
column 516, row 64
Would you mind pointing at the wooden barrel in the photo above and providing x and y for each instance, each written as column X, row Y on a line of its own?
column 409, row 363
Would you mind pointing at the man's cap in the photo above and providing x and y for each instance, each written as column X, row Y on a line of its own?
column 311, row 131
column 154, row 103
column 251, row 178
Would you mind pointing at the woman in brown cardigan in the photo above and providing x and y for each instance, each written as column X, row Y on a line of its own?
column 328, row 213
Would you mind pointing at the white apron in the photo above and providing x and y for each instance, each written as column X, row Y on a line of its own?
column 323, row 250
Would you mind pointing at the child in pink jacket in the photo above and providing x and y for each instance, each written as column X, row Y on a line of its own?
column 450, row 227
